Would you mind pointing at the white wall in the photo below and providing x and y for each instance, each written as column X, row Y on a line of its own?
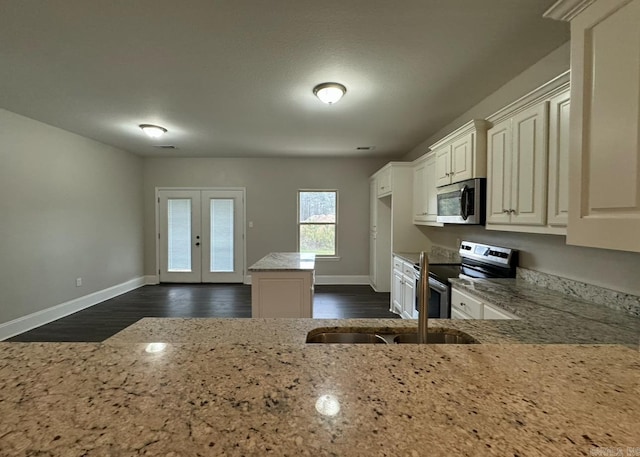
column 69, row 207
column 271, row 205
column 547, row 253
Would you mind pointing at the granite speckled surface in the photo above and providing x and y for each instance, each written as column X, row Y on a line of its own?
column 437, row 255
column 548, row 316
column 620, row 301
column 252, row 387
column 271, row 399
column 285, row 261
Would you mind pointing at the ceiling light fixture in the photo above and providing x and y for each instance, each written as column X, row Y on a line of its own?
column 329, row 93
column 153, row 131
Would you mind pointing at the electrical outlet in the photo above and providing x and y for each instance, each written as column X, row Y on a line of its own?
column 250, row 224
column 78, row 282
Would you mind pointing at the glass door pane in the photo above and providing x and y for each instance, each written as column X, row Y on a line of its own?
column 179, row 235
column 222, row 235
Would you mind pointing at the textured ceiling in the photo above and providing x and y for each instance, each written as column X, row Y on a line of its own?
column 234, row 78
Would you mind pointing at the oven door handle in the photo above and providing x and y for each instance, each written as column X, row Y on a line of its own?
column 464, row 202
column 437, row 285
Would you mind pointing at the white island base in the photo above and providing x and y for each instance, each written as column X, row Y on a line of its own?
column 282, row 285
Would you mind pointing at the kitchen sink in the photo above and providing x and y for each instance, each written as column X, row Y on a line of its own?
column 447, row 336
column 369, row 336
column 346, row 338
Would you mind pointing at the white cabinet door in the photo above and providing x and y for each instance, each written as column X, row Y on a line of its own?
column 462, row 159
column 431, row 196
column 419, row 193
column 558, row 199
column 499, row 173
column 408, row 301
column 604, row 162
column 517, row 169
column 397, row 292
column 373, row 204
column 529, row 166
column 425, row 198
column 384, row 182
column 373, row 260
column 443, row 166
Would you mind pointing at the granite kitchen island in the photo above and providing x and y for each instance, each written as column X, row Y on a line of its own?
column 252, row 387
column 282, row 285
column 562, row 380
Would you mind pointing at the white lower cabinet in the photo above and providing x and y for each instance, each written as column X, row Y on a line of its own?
column 282, row 294
column 403, row 289
column 464, row 306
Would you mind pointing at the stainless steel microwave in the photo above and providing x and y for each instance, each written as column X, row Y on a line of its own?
column 462, row 202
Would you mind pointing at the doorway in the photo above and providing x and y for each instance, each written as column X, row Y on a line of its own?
column 201, row 235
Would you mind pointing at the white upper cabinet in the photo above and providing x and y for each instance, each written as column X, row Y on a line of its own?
column 499, row 173
column 529, row 166
column 443, row 165
column 462, row 154
column 558, row 199
column 521, row 181
column 384, row 182
column 425, row 200
column 604, row 141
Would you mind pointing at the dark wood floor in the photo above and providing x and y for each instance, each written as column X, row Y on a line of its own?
column 202, row 300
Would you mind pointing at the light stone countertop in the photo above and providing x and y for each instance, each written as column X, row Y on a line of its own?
column 252, row 387
column 548, row 316
column 255, row 399
column 437, row 256
column 285, row 261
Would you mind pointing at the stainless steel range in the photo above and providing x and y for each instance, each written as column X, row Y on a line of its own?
column 478, row 261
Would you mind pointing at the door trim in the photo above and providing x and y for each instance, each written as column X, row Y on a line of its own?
column 157, row 221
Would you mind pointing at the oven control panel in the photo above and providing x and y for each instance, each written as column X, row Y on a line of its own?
column 486, row 253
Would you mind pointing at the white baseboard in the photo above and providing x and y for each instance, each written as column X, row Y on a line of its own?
column 33, row 320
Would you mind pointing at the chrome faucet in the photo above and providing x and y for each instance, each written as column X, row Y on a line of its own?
column 423, row 298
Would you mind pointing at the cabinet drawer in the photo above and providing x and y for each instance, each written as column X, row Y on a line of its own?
column 397, row 264
column 493, row 312
column 466, row 304
column 455, row 314
column 409, row 271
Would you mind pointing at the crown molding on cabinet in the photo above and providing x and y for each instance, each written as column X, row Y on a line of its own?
column 549, row 89
column 471, row 126
column 566, row 10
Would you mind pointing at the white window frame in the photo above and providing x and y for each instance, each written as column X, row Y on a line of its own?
column 334, row 256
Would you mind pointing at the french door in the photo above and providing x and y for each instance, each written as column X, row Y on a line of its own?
column 201, row 235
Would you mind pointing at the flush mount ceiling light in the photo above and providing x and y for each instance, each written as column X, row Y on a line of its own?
column 329, row 93
column 153, row 131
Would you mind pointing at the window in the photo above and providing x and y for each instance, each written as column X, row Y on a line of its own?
column 317, row 221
